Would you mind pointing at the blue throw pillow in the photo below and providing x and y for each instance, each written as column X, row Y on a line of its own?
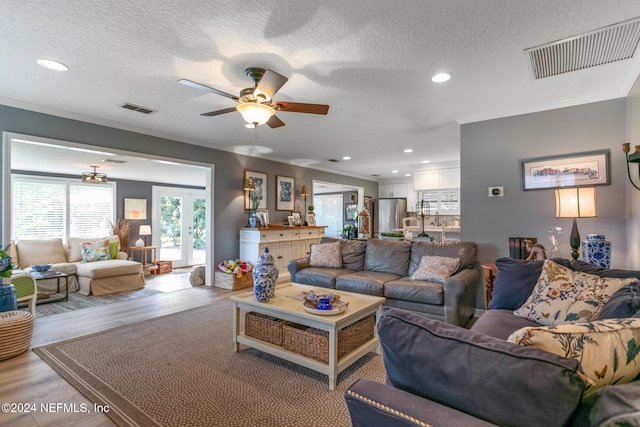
column 515, row 281
column 623, row 304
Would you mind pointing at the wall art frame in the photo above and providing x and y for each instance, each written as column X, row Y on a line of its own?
column 285, row 193
column 135, row 208
column 571, row 170
column 260, row 182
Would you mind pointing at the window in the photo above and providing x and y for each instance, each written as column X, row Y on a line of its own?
column 47, row 208
column 445, row 202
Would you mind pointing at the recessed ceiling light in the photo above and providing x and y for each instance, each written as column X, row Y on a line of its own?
column 408, row 150
column 52, row 65
column 426, row 161
column 394, row 171
column 407, row 174
column 440, row 77
column 346, row 158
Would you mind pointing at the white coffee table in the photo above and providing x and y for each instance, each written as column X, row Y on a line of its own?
column 282, row 307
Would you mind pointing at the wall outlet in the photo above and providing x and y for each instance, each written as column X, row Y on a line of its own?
column 496, row 191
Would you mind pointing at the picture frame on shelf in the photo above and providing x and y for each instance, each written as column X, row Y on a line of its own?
column 296, row 218
column 260, row 182
column 285, row 193
column 291, row 220
column 263, row 217
column 571, row 170
column 135, row 208
column 350, row 211
column 311, row 220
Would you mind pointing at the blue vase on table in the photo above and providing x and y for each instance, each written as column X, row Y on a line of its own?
column 265, row 275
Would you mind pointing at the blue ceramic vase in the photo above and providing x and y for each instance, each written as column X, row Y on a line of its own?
column 265, row 275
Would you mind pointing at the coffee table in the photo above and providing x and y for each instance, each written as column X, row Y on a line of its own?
column 283, row 307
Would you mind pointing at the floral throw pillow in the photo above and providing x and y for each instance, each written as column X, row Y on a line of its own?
column 326, row 255
column 435, row 268
column 607, row 350
column 563, row 296
column 95, row 251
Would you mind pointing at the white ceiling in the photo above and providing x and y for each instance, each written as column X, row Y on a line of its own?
column 370, row 60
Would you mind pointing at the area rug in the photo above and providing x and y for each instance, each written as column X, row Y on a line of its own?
column 78, row 301
column 181, row 370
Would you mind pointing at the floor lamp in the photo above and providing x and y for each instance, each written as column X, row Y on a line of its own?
column 304, row 191
column 423, row 210
column 576, row 202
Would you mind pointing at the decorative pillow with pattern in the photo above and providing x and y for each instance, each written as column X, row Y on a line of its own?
column 607, row 350
column 562, row 296
column 326, row 255
column 435, row 268
column 95, row 251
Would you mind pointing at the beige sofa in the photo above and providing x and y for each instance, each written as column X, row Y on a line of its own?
column 95, row 278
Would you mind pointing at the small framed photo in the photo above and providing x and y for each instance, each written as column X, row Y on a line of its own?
column 259, row 195
column 292, row 221
column 311, row 220
column 297, row 219
column 285, row 193
column 263, row 217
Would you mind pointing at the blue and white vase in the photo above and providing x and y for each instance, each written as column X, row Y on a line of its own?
column 265, row 275
column 596, row 250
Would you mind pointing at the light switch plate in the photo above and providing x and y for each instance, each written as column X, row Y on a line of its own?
column 496, row 191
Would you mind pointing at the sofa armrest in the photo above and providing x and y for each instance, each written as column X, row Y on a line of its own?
column 458, row 284
column 296, row 265
column 122, row 255
column 374, row 404
column 460, row 296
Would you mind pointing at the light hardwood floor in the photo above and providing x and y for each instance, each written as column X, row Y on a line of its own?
column 27, row 379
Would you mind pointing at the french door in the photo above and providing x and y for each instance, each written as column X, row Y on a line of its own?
column 179, row 230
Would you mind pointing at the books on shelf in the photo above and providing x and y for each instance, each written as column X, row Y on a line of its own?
column 518, row 246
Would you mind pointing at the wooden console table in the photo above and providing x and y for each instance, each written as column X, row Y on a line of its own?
column 149, row 263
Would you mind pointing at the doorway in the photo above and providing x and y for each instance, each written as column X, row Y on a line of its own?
column 181, row 232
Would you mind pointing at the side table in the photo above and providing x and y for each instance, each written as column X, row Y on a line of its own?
column 489, row 271
column 149, row 264
column 49, row 275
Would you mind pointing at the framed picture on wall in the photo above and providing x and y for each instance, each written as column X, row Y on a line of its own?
column 260, row 193
column 571, row 170
column 350, row 211
column 135, row 208
column 285, row 193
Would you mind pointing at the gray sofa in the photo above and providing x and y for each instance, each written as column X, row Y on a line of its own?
column 443, row 375
column 383, row 268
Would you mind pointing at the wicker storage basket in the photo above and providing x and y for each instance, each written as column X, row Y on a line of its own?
column 263, row 327
column 233, row 282
column 314, row 343
column 16, row 328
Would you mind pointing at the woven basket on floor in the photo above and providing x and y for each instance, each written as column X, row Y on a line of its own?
column 232, row 282
column 314, row 343
column 16, row 328
column 263, row 327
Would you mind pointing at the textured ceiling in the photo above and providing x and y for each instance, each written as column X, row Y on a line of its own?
column 370, row 60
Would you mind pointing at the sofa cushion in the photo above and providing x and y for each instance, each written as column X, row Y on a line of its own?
column 435, row 268
column 365, row 282
column 610, row 406
column 477, row 374
column 325, row 255
column 74, row 247
column 95, row 251
column 32, row 252
column 515, row 281
column 624, row 303
column 353, row 254
column 323, row 277
column 415, row 291
column 387, row 256
column 585, row 267
column 108, row 268
column 499, row 323
column 606, row 349
column 465, row 251
column 562, row 295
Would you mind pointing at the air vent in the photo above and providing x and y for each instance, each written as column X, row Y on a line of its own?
column 114, row 161
column 333, row 160
column 603, row 46
column 139, row 109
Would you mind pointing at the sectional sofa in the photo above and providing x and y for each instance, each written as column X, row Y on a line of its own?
column 389, row 268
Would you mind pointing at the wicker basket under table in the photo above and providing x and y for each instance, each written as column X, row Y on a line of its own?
column 314, row 343
column 232, row 282
column 263, row 327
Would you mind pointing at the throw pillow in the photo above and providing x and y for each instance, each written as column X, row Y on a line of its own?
column 113, row 249
column 459, row 368
column 610, row 406
column 435, row 268
column 607, row 350
column 94, row 251
column 515, row 281
column 562, row 296
column 326, row 255
column 624, row 303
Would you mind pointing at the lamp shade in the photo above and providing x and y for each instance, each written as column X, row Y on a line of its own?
column 145, row 230
column 255, row 113
column 576, row 202
column 304, row 191
column 249, row 185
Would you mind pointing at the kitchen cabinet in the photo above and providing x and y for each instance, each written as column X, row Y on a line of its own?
column 404, row 189
column 436, row 179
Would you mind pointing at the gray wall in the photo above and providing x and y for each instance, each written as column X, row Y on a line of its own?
column 229, row 167
column 490, row 156
column 633, row 194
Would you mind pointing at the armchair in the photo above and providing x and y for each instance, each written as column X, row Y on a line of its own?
column 26, row 290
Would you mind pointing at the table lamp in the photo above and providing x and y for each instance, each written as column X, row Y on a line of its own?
column 576, row 202
column 145, row 230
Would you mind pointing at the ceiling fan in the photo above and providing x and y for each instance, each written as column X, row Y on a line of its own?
column 256, row 104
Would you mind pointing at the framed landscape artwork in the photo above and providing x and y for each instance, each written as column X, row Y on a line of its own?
column 285, row 193
column 135, row 208
column 571, row 170
column 260, row 182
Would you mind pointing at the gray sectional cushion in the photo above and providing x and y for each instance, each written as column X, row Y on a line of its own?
column 353, row 254
column 415, row 290
column 365, row 282
column 387, row 256
column 491, row 379
column 499, row 323
column 610, row 406
column 466, row 251
column 320, row 276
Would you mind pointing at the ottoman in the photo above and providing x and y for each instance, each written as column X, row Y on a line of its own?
column 16, row 328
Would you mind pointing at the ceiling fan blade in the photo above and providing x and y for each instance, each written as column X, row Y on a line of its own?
column 298, row 107
column 274, row 122
column 200, row 86
column 218, row 112
column 271, row 82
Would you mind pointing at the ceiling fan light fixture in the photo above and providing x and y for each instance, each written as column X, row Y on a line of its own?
column 255, row 113
column 94, row 177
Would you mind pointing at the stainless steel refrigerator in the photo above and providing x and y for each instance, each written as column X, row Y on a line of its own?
column 389, row 215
